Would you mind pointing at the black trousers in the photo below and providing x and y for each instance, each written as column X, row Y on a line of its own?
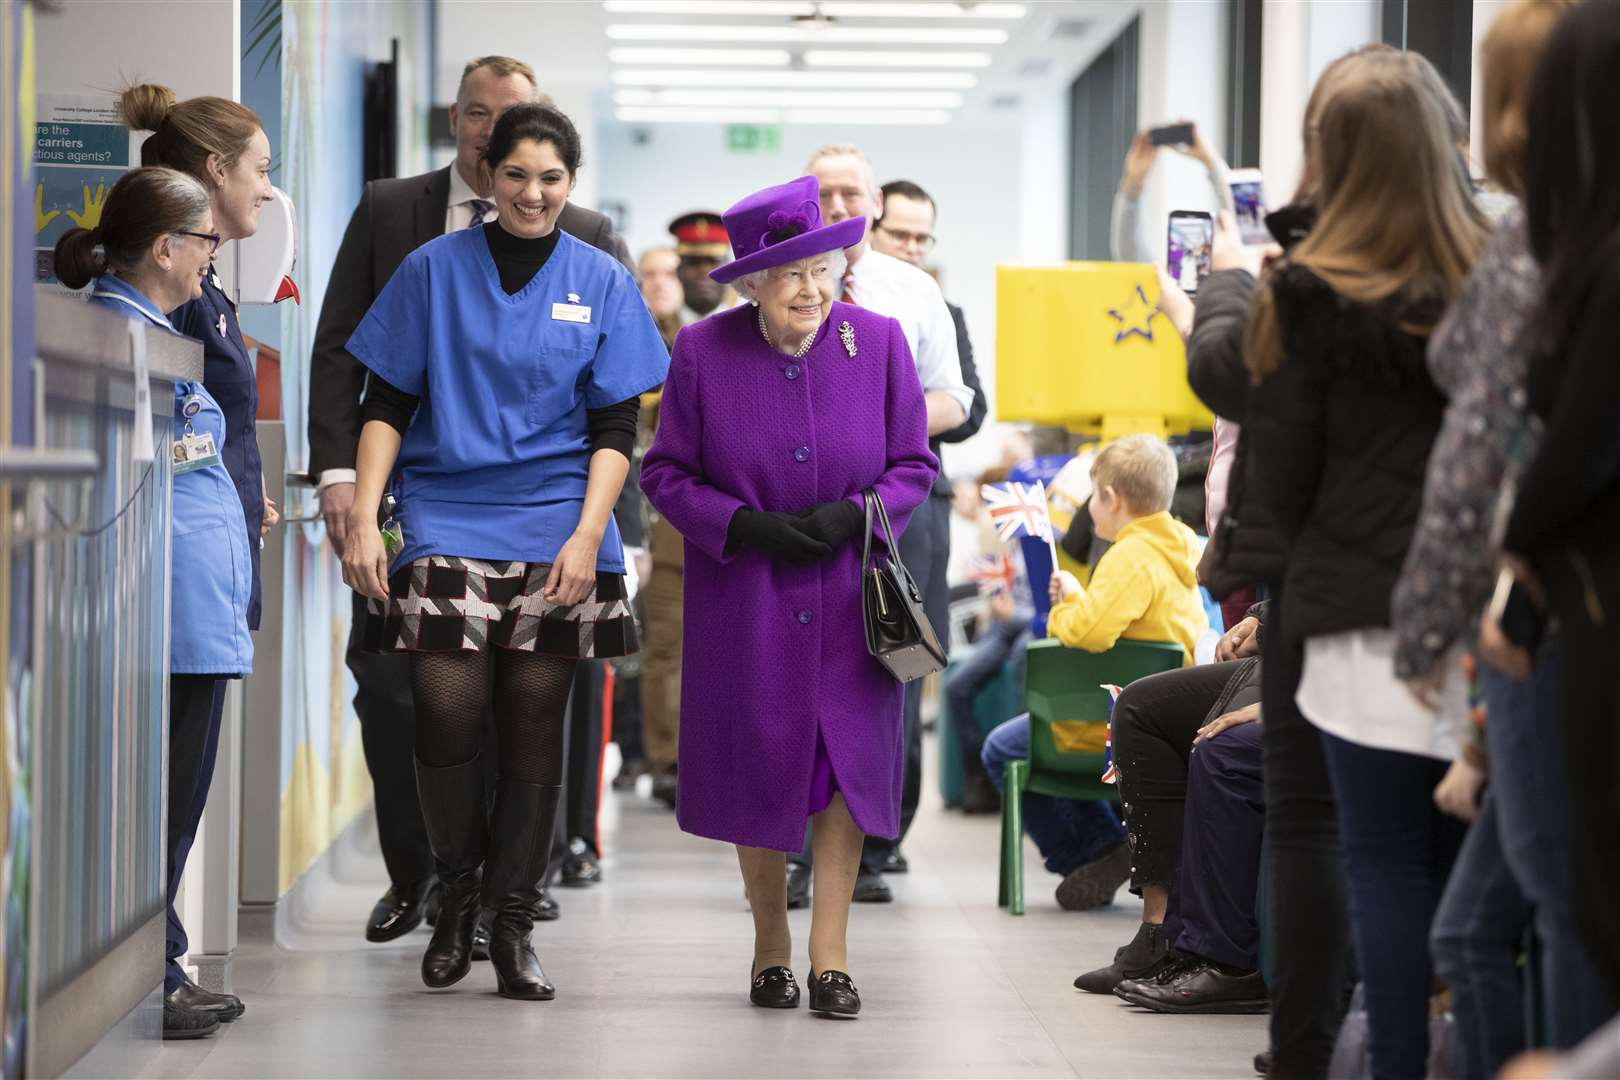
column 1306, row 902
column 387, row 714
column 196, row 706
column 1154, row 723
column 583, row 783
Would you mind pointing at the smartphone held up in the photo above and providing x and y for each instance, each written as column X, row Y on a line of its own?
column 1188, row 248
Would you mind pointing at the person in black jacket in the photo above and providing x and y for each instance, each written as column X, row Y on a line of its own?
column 394, row 218
column 1339, row 429
column 1564, row 534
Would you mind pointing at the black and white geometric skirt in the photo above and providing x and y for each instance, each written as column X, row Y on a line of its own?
column 444, row 603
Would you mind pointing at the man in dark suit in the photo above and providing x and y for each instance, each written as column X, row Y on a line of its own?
column 394, row 218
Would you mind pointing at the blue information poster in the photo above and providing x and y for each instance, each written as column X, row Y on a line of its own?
column 81, row 148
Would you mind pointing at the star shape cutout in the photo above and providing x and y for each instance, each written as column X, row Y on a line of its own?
column 1135, row 316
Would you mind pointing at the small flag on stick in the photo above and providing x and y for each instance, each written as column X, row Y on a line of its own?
column 1020, row 510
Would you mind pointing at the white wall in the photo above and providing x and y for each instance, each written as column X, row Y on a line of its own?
column 1485, row 13
column 98, row 46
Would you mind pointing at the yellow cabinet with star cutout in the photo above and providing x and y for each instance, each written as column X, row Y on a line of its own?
column 1085, row 347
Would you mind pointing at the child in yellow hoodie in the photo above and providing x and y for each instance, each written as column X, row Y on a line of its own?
column 1145, row 588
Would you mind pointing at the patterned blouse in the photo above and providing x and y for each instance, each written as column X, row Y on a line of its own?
column 1479, row 359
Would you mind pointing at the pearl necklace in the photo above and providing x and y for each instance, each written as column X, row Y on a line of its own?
column 804, row 347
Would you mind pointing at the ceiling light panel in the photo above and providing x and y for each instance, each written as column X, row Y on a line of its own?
column 851, row 99
column 729, row 8
column 881, row 9
column 723, row 58
column 796, row 35
column 832, row 80
column 740, row 115
column 838, row 58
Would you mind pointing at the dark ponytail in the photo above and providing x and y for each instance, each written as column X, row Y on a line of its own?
column 144, row 205
column 540, row 123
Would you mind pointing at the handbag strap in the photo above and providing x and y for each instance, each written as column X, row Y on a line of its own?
column 874, row 500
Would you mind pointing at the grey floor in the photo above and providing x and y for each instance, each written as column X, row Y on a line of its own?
column 650, row 968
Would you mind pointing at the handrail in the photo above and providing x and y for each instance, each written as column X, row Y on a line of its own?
column 22, row 463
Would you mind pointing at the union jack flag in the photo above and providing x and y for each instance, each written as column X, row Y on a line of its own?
column 993, row 574
column 1018, row 509
column 1110, row 773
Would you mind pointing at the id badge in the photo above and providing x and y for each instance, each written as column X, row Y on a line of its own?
column 393, row 535
column 192, row 452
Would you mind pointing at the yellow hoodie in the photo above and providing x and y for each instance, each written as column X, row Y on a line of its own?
column 1144, row 588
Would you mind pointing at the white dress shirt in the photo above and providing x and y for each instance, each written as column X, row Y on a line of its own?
column 888, row 286
column 458, row 215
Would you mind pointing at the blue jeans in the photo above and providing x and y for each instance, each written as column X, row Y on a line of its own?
column 1000, row 645
column 1515, row 871
column 1398, row 851
column 1069, row 832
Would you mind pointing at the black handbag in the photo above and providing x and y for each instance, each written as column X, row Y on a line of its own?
column 898, row 633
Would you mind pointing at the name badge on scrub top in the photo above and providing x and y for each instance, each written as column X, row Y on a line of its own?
column 573, row 311
column 192, row 451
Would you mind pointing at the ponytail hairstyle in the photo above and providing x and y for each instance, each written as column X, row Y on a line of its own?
column 186, row 133
column 144, row 205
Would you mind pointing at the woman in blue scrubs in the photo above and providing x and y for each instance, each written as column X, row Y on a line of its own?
column 149, row 255
column 506, row 366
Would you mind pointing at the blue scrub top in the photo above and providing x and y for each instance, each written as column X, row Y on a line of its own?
column 210, row 575
column 228, row 373
column 494, row 465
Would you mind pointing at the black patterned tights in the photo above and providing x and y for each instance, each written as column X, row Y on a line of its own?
column 529, row 692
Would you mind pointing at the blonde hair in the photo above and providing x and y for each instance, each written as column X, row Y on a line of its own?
column 1508, row 58
column 185, row 134
column 501, row 67
column 850, row 150
column 1141, row 469
column 1411, row 231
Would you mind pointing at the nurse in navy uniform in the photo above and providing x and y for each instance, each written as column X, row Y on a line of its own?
column 506, row 365
column 148, row 256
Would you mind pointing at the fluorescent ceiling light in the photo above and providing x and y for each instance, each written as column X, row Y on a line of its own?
column 778, row 8
column 834, row 35
column 837, row 58
column 804, row 99
column 832, row 80
column 740, row 115
column 707, row 57
column 880, row 9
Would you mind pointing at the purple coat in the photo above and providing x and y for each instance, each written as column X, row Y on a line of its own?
column 775, row 653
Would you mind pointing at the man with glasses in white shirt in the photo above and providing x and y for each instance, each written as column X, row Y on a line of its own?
column 888, row 286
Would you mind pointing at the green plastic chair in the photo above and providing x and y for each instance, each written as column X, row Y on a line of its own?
column 1062, row 684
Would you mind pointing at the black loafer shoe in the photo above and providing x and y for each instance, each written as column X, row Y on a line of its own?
column 579, row 866
column 1196, row 985
column 870, row 888
column 547, row 910
column 895, row 863
column 222, row 1007
column 833, row 994
column 775, row 988
column 400, row 911
column 480, row 945
column 180, row 1022
column 665, row 788
column 798, row 886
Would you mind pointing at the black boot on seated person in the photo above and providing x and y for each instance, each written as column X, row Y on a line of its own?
column 833, row 994
column 520, row 849
column 453, row 812
column 774, row 988
column 1147, row 954
column 1094, row 884
column 1196, row 984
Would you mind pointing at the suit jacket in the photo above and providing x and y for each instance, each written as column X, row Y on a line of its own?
column 981, row 406
column 394, row 218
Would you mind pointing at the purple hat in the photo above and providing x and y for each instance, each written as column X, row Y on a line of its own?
column 782, row 224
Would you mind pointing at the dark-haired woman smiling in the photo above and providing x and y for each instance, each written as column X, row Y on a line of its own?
column 506, row 365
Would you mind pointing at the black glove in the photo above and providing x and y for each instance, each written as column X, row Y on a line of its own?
column 833, row 523
column 777, row 535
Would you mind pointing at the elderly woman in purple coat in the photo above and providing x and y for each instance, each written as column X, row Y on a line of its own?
column 777, row 415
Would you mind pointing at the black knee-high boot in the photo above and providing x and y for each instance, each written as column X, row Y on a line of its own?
column 520, row 847
column 453, row 810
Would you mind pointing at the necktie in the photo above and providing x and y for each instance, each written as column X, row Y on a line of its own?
column 849, row 287
column 479, row 208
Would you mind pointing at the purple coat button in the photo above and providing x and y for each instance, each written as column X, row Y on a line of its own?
column 792, row 371
column 802, row 454
column 804, row 617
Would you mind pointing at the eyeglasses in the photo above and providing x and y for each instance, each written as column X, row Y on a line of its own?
column 922, row 240
column 213, row 238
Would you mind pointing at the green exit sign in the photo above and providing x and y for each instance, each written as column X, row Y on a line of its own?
column 754, row 138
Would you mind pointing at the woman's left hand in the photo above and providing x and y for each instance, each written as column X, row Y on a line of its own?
column 573, row 574
column 272, row 517
column 1249, row 714
column 1458, row 793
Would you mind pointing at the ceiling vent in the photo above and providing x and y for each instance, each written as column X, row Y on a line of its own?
column 1006, row 101
column 1035, row 67
column 1070, row 29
